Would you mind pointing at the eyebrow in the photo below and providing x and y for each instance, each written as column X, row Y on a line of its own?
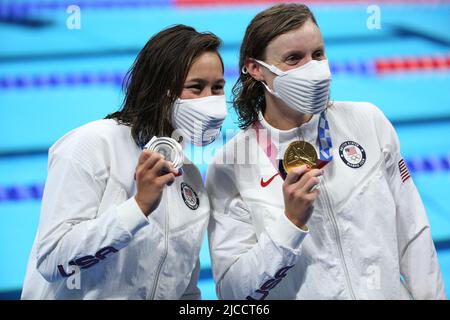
column 287, row 54
column 202, row 81
column 322, row 47
column 294, row 51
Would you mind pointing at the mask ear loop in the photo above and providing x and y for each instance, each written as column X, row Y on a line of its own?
column 268, row 89
column 272, row 69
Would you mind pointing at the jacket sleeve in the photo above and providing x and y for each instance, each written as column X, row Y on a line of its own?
column 192, row 291
column 417, row 255
column 246, row 266
column 70, row 232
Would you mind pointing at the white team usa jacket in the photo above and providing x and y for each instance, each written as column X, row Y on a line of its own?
column 91, row 224
column 369, row 236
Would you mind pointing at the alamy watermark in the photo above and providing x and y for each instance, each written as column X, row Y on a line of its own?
column 373, row 21
column 73, row 282
column 73, row 21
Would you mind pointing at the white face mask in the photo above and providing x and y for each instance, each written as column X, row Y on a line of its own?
column 305, row 89
column 199, row 120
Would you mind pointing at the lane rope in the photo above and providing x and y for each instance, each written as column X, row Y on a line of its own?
column 35, row 191
column 380, row 66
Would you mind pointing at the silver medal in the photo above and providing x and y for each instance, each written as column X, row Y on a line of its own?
column 169, row 148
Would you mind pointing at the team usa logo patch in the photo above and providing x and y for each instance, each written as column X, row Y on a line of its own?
column 190, row 198
column 404, row 172
column 352, row 154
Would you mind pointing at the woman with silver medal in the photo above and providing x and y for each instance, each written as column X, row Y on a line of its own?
column 123, row 213
column 328, row 209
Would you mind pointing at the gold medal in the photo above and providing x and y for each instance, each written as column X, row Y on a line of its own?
column 299, row 153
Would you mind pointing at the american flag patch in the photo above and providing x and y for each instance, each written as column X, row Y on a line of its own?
column 404, row 172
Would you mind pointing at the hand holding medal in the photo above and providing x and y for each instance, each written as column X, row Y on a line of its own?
column 300, row 189
column 300, row 192
column 169, row 148
column 157, row 167
column 301, row 169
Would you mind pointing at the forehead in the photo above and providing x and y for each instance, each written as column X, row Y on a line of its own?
column 207, row 64
column 305, row 38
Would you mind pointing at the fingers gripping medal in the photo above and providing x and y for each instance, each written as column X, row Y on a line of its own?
column 169, row 148
column 299, row 153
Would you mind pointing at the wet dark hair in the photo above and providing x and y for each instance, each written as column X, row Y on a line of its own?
column 248, row 94
column 157, row 77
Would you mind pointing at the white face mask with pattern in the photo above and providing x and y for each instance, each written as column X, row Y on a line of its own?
column 199, row 120
column 305, row 89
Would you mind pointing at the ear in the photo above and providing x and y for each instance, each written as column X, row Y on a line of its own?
column 254, row 69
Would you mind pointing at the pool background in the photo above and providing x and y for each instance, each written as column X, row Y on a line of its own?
column 53, row 79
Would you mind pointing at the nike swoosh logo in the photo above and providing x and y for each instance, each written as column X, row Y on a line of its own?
column 266, row 183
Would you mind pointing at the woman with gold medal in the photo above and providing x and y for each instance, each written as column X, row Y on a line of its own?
column 322, row 206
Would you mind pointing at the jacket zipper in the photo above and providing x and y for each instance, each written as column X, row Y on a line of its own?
column 164, row 256
column 338, row 239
